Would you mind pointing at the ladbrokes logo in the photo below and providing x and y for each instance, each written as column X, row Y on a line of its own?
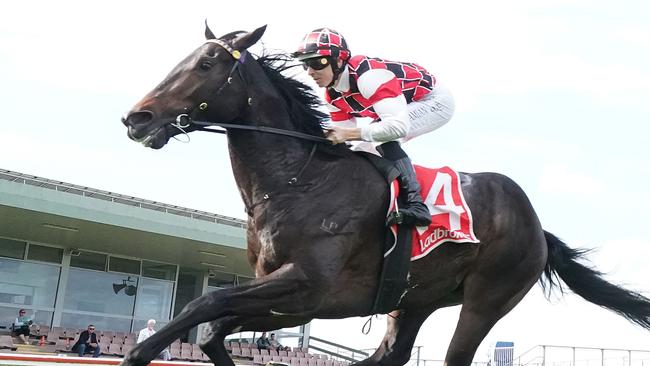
column 438, row 235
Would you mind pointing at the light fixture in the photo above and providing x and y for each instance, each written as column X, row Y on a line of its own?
column 213, row 265
column 117, row 287
column 129, row 290
column 74, row 252
column 220, row 255
column 59, row 227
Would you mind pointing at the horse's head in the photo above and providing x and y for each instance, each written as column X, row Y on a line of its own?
column 202, row 85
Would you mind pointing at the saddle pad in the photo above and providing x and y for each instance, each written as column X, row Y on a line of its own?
column 451, row 219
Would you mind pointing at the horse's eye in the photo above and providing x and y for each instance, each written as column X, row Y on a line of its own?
column 205, row 66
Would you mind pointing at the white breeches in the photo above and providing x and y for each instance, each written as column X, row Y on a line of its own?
column 430, row 113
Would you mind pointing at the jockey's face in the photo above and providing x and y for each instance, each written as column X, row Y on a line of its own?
column 324, row 76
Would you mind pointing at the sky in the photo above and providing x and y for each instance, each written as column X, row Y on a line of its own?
column 554, row 94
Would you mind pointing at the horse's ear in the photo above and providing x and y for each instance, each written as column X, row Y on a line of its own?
column 249, row 39
column 208, row 32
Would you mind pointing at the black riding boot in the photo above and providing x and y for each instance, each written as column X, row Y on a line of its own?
column 414, row 211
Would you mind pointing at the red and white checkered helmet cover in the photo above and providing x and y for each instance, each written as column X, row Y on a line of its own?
column 323, row 42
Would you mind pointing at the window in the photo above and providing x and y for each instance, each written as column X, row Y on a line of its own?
column 117, row 264
column 160, row 271
column 100, row 292
column 142, row 323
column 12, row 248
column 89, row 260
column 241, row 280
column 26, row 283
column 44, row 254
column 154, row 299
column 9, row 313
column 221, row 280
column 101, row 322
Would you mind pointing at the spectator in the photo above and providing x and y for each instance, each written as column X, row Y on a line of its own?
column 148, row 332
column 87, row 343
column 263, row 341
column 276, row 344
column 21, row 326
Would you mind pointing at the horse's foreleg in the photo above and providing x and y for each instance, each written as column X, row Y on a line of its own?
column 212, row 340
column 395, row 348
column 287, row 291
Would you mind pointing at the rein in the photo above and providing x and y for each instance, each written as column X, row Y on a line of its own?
column 185, row 120
column 272, row 130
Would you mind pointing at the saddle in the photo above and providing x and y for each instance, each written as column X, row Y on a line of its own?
column 451, row 221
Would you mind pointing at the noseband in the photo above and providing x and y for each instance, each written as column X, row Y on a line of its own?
column 185, row 120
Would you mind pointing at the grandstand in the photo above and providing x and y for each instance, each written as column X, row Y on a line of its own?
column 58, row 341
column 74, row 255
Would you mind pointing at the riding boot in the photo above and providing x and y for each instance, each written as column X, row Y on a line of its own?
column 413, row 211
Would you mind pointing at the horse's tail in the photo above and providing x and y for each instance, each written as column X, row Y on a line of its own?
column 589, row 283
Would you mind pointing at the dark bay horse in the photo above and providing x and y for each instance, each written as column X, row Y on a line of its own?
column 316, row 220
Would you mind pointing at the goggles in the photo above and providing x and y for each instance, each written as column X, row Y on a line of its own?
column 317, row 63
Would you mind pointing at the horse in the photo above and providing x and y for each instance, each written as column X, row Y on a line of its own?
column 316, row 220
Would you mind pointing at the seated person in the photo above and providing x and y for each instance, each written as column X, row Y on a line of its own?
column 87, row 343
column 148, row 332
column 275, row 344
column 263, row 342
column 21, row 326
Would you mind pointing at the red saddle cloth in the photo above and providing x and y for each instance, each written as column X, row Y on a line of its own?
column 451, row 219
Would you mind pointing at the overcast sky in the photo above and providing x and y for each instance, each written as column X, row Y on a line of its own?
column 554, row 94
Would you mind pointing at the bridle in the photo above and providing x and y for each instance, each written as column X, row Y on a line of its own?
column 185, row 120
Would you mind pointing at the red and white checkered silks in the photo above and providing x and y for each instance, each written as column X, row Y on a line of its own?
column 410, row 79
column 324, row 42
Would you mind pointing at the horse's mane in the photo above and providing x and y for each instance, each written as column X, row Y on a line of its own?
column 301, row 100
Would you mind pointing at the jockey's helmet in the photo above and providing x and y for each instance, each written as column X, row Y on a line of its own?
column 323, row 42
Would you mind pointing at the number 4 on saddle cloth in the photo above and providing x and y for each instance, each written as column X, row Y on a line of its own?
column 451, row 221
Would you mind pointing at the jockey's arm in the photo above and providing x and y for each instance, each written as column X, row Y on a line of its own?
column 390, row 106
column 393, row 113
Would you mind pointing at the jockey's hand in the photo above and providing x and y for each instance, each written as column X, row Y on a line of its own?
column 339, row 135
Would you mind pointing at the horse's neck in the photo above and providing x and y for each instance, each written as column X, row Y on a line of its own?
column 264, row 162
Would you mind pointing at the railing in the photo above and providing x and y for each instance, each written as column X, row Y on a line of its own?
column 543, row 355
column 21, row 178
column 550, row 355
column 337, row 351
column 427, row 362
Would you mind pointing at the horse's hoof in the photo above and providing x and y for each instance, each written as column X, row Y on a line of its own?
column 133, row 361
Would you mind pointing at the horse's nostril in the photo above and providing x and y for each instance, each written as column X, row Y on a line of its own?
column 136, row 118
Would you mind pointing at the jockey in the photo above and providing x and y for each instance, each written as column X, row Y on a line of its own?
column 402, row 98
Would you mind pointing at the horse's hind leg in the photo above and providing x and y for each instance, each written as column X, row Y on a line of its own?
column 395, row 348
column 485, row 301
